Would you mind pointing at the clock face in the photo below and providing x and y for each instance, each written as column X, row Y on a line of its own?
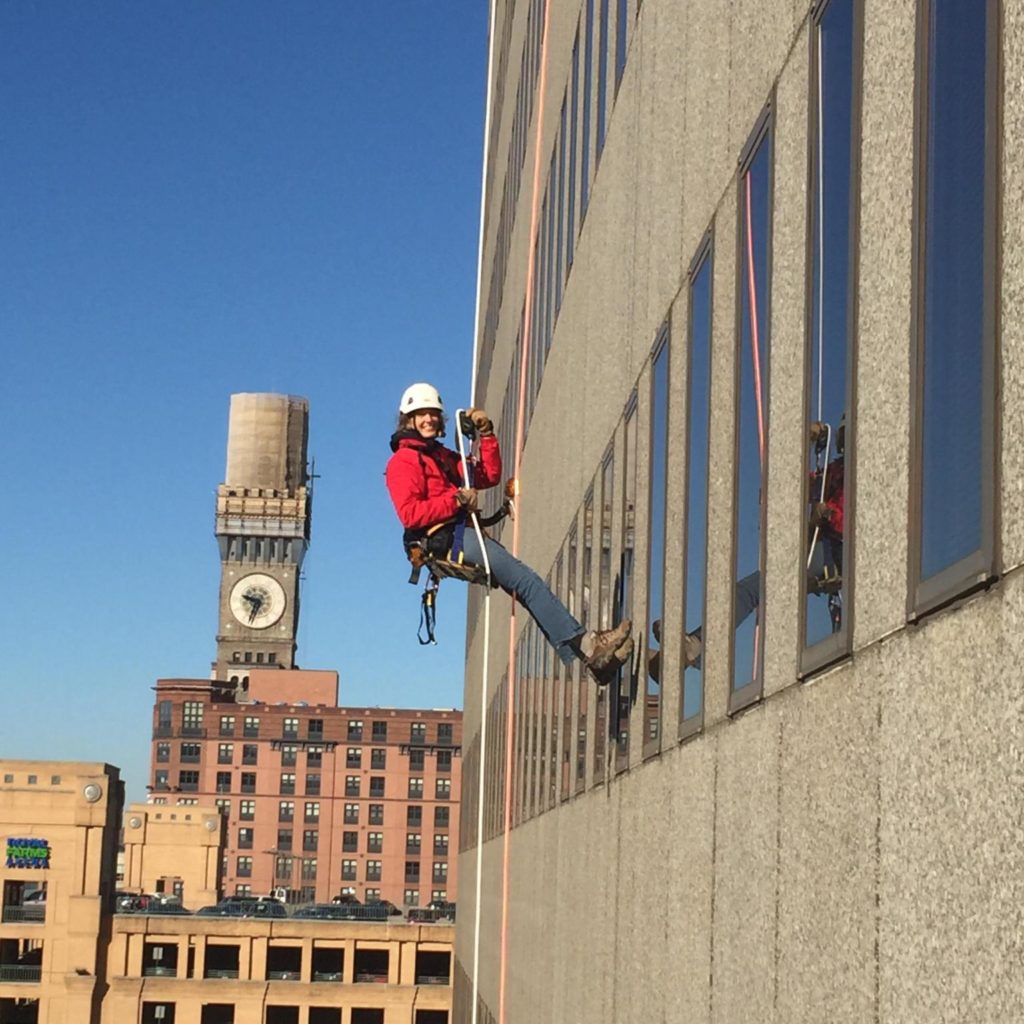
column 257, row 600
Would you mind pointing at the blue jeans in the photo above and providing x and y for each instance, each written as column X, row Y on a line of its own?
column 531, row 591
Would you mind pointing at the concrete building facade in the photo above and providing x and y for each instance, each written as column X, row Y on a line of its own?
column 204, row 970
column 67, row 956
column 318, row 799
column 174, row 850
column 759, row 309
column 59, row 822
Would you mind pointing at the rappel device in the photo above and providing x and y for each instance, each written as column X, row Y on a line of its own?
column 439, row 550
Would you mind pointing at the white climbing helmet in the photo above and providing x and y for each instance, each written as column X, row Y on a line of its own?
column 420, row 396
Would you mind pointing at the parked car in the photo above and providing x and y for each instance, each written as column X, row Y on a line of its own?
column 435, row 910
column 346, row 898
column 322, row 912
column 245, row 907
column 391, row 909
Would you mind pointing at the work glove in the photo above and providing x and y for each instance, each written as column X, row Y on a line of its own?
column 821, row 515
column 481, row 421
column 467, row 498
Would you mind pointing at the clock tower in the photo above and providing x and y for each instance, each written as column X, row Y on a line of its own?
column 262, row 528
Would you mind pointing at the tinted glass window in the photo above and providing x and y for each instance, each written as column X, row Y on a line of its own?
column 955, row 443
column 656, row 544
column 570, row 235
column 588, row 84
column 604, row 605
column 695, row 524
column 560, row 211
column 752, row 414
column 568, row 742
column 602, row 76
column 586, row 616
column 623, row 686
column 752, row 418
column 829, row 433
column 621, row 29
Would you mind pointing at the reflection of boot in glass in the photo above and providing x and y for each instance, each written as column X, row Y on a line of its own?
column 693, row 647
column 835, row 610
column 654, row 659
column 829, row 582
column 654, row 667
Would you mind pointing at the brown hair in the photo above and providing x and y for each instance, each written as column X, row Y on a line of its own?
column 405, row 421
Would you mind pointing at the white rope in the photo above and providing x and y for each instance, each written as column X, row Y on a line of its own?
column 463, row 459
column 821, row 283
column 476, row 523
column 483, row 210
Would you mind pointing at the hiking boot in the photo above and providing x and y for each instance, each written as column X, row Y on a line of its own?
column 599, row 648
column 622, row 656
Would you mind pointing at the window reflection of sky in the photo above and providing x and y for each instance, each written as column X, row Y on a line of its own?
column 604, row 599
column 625, row 598
column 951, row 526
column 753, row 409
column 831, row 236
column 656, row 524
column 697, row 475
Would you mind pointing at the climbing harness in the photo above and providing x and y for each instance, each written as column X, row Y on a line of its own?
column 440, row 549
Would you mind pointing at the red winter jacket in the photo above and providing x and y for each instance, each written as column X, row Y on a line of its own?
column 422, row 492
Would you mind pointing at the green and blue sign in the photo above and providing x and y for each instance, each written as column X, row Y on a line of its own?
column 28, row 853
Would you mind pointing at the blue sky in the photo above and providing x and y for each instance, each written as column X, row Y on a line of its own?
column 199, row 198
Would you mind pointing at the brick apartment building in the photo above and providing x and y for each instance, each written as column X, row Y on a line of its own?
column 319, row 799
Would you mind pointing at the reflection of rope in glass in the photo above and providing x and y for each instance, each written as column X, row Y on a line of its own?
column 755, row 341
column 821, row 458
column 755, row 346
column 821, row 226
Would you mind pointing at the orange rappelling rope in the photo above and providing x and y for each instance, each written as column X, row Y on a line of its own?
column 755, row 347
column 524, row 355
